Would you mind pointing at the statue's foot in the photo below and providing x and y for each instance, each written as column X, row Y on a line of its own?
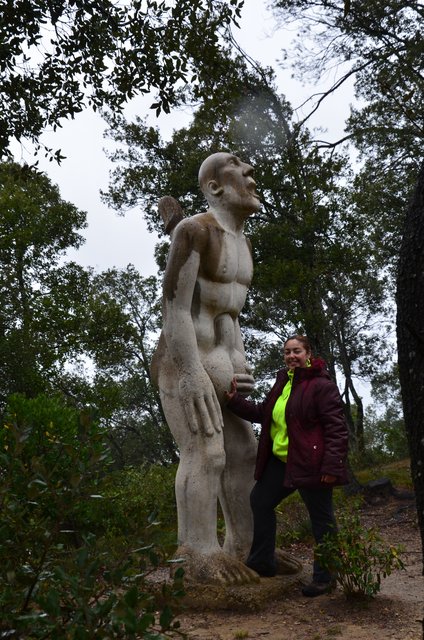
column 286, row 563
column 214, row 568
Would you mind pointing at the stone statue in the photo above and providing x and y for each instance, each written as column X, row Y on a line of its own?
column 200, row 350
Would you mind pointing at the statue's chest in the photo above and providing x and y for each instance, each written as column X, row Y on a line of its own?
column 228, row 259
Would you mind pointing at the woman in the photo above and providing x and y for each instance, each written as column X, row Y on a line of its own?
column 303, row 445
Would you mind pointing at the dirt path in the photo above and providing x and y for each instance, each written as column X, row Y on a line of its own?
column 396, row 613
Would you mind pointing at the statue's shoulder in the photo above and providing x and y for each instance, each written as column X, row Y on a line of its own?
column 199, row 221
column 196, row 228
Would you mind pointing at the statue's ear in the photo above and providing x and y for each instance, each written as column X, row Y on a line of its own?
column 214, row 188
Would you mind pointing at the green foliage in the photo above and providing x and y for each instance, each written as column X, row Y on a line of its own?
column 54, row 315
column 379, row 46
column 385, row 436
column 57, row 579
column 48, row 457
column 58, row 57
column 42, row 299
column 89, row 596
column 358, row 557
column 131, row 497
column 124, row 313
column 385, row 431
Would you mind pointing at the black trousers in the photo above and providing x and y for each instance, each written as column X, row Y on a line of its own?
column 266, row 495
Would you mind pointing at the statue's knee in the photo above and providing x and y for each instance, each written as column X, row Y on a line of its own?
column 206, row 461
column 211, row 456
column 215, row 460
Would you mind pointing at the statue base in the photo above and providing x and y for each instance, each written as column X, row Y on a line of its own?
column 246, row 597
column 237, row 588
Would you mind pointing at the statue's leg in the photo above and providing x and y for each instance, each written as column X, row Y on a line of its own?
column 236, row 484
column 202, row 460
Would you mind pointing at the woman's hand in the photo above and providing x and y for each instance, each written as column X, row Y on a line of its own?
column 328, row 479
column 233, row 390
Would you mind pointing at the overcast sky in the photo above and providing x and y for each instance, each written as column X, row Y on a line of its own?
column 112, row 240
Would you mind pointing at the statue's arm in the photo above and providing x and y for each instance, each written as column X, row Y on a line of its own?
column 197, row 393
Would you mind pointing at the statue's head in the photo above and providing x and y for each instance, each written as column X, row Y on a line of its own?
column 225, row 180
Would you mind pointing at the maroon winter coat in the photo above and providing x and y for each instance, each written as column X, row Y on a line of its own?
column 317, row 430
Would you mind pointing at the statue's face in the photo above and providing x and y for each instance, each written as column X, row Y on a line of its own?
column 236, row 179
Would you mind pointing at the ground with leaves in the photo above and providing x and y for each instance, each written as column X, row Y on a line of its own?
column 396, row 613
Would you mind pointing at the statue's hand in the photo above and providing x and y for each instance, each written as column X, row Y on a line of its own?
column 201, row 404
column 245, row 383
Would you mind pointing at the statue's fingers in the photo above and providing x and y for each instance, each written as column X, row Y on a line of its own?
column 242, row 386
column 219, row 415
column 244, row 381
column 242, row 377
column 216, row 413
column 245, row 385
column 204, row 417
column 191, row 417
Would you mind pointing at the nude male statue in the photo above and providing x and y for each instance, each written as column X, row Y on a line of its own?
column 200, row 351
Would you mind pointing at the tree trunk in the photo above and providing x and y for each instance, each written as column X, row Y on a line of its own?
column 359, row 418
column 410, row 337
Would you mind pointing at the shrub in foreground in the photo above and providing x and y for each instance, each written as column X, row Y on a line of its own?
column 358, row 557
column 129, row 498
column 54, row 583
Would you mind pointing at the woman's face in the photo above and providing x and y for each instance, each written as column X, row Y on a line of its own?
column 295, row 354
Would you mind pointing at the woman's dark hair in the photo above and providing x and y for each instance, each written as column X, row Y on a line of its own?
column 304, row 340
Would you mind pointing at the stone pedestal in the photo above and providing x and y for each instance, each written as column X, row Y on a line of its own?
column 247, row 597
column 238, row 589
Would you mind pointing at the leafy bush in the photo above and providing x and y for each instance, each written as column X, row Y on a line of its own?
column 55, row 580
column 86, row 596
column 358, row 557
column 130, row 497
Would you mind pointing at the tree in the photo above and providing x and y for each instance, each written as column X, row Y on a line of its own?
column 124, row 317
column 63, row 329
column 42, row 299
column 410, row 335
column 384, row 424
column 379, row 45
column 56, row 57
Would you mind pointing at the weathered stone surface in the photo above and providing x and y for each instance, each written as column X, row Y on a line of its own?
column 217, row 568
column 236, row 596
column 248, row 597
